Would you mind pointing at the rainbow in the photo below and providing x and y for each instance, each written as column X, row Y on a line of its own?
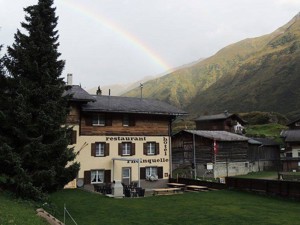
column 129, row 37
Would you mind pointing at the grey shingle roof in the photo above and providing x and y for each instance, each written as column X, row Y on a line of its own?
column 254, row 142
column 292, row 122
column 218, row 135
column 266, row 141
column 291, row 135
column 221, row 116
column 131, row 105
column 214, row 117
column 79, row 94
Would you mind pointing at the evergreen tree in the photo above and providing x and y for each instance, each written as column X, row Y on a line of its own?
column 38, row 138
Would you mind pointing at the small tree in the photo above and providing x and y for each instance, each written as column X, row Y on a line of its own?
column 39, row 110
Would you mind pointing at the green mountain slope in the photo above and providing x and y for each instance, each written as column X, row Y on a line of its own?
column 254, row 74
column 268, row 80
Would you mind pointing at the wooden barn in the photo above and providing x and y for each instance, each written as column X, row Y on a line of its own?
column 291, row 159
column 263, row 154
column 210, row 153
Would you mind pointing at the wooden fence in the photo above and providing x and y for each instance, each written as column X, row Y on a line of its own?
column 273, row 187
column 289, row 189
column 188, row 181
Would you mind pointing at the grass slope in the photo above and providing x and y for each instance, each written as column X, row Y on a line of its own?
column 18, row 212
column 271, row 130
column 215, row 207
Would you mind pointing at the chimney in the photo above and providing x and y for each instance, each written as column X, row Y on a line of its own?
column 69, row 79
column 99, row 91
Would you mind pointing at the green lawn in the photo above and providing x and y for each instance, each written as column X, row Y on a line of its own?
column 18, row 212
column 214, row 207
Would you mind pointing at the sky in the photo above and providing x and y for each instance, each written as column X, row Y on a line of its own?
column 107, row 42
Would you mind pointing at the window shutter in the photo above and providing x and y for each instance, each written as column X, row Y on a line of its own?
column 131, row 121
column 120, row 148
column 142, row 173
column 108, row 120
column 88, row 120
column 87, row 177
column 156, row 148
column 145, row 148
column 107, row 176
column 74, row 137
column 93, row 149
column 132, row 149
column 160, row 172
column 106, row 150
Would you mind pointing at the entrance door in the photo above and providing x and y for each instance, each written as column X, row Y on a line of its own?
column 126, row 175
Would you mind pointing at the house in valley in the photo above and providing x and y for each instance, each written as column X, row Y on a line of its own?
column 223, row 121
column 210, row 153
column 291, row 137
column 121, row 138
column 217, row 148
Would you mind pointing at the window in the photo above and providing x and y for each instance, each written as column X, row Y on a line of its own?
column 98, row 120
column 150, row 148
column 289, row 155
column 128, row 121
column 100, row 149
column 297, row 124
column 126, row 148
column 151, row 172
column 97, row 176
column 125, row 120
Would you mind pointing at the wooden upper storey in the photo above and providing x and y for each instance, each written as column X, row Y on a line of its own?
column 114, row 115
column 123, row 124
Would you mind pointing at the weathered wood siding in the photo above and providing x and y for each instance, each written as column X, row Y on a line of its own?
column 144, row 125
column 290, row 165
column 232, row 151
column 74, row 114
column 183, row 150
column 226, row 125
column 264, row 153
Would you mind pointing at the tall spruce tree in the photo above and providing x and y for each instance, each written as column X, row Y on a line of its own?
column 37, row 136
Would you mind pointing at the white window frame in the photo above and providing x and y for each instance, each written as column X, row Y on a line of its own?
column 98, row 120
column 126, row 148
column 126, row 120
column 100, row 149
column 151, row 148
column 97, row 176
column 151, row 171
